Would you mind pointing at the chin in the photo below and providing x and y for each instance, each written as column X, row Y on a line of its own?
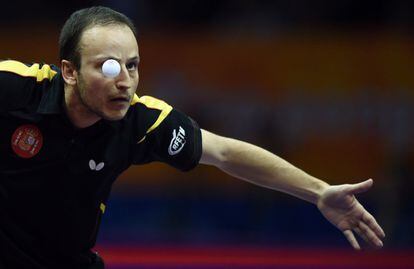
column 114, row 116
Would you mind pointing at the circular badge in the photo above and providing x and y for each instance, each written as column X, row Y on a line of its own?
column 27, row 141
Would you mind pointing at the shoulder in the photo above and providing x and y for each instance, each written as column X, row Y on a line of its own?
column 165, row 134
column 147, row 113
column 150, row 108
column 22, row 85
column 35, row 71
column 149, row 102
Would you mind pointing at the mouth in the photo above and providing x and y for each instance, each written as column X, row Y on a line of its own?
column 120, row 99
column 119, row 103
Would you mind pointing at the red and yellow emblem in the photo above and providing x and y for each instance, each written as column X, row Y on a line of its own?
column 27, row 141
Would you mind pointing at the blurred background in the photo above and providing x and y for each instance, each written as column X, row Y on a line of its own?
column 327, row 85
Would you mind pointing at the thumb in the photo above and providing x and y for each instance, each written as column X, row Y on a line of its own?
column 360, row 187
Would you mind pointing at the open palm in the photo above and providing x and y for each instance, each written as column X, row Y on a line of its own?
column 339, row 205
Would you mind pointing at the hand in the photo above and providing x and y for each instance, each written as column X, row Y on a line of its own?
column 339, row 205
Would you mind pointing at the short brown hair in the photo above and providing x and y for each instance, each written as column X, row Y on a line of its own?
column 81, row 20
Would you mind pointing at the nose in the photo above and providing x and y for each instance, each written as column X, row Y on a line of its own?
column 123, row 80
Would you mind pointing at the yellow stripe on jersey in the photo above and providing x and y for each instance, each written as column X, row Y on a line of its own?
column 102, row 207
column 153, row 103
column 135, row 99
column 28, row 71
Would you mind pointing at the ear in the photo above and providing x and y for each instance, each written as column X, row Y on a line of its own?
column 69, row 73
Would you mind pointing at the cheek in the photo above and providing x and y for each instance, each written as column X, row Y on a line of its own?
column 135, row 84
column 98, row 88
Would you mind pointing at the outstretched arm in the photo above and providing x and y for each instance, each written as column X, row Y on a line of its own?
column 258, row 166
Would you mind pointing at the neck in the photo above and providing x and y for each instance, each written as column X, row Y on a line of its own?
column 79, row 115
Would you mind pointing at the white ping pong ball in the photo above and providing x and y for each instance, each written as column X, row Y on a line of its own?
column 111, row 68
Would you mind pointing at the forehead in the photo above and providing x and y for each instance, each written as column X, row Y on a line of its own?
column 109, row 40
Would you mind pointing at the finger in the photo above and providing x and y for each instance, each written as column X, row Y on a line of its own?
column 369, row 235
column 361, row 234
column 351, row 239
column 360, row 187
column 372, row 223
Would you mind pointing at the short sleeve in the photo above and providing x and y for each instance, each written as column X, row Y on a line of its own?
column 176, row 141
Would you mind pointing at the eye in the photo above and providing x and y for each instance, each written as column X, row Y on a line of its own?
column 132, row 66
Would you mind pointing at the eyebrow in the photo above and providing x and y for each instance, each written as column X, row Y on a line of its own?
column 135, row 58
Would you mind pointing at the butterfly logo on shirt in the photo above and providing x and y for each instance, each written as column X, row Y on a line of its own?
column 96, row 167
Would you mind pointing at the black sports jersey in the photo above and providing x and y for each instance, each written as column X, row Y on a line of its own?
column 55, row 179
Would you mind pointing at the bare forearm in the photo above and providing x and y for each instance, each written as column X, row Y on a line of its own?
column 261, row 167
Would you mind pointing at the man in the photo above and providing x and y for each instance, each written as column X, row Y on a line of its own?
column 68, row 133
